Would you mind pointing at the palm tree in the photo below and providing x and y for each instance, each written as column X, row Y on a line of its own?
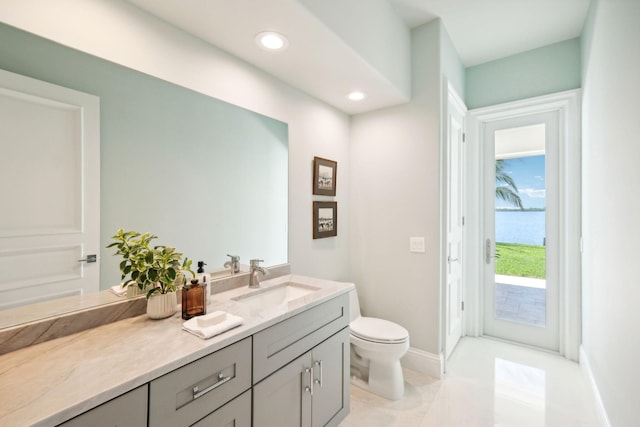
column 509, row 191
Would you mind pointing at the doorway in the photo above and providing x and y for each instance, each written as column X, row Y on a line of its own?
column 556, row 283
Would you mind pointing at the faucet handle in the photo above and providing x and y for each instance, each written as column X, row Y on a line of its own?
column 234, row 258
column 255, row 262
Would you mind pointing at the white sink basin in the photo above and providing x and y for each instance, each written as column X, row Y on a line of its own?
column 276, row 296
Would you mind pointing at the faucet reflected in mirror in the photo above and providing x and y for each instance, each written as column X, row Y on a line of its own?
column 152, row 123
column 233, row 264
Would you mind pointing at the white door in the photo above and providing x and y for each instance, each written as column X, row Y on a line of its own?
column 521, row 229
column 49, row 191
column 454, row 217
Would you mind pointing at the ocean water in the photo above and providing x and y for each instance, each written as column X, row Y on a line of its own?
column 527, row 227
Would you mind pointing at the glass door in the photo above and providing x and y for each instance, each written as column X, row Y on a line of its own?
column 520, row 211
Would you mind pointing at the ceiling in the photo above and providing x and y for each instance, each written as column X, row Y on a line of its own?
column 485, row 30
column 323, row 65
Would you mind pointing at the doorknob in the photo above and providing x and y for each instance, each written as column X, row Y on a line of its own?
column 487, row 252
column 450, row 260
column 89, row 258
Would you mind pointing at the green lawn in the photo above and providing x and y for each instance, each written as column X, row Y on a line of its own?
column 521, row 260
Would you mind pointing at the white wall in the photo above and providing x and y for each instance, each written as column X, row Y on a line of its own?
column 395, row 195
column 119, row 32
column 611, row 205
column 374, row 31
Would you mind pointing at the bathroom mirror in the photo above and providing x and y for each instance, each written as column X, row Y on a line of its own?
column 207, row 177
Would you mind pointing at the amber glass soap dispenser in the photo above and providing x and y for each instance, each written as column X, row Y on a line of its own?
column 194, row 302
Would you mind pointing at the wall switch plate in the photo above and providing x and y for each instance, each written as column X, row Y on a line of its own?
column 416, row 245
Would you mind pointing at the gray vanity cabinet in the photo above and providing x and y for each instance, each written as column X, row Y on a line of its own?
column 127, row 410
column 310, row 391
column 301, row 368
column 294, row 373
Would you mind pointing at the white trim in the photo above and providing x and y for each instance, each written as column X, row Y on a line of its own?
column 585, row 366
column 424, row 362
column 567, row 104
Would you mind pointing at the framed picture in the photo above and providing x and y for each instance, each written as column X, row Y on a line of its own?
column 325, row 219
column 324, row 176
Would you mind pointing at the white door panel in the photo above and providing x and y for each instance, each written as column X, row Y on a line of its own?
column 455, row 180
column 50, row 191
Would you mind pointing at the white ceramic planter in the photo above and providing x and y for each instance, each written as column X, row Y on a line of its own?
column 160, row 306
column 134, row 291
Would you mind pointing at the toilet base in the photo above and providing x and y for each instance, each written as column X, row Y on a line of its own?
column 384, row 379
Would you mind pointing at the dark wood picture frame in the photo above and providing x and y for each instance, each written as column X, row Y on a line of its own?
column 325, row 219
column 324, row 176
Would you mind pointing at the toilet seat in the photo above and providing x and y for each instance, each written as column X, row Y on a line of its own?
column 378, row 330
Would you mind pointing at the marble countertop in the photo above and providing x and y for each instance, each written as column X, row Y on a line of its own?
column 49, row 383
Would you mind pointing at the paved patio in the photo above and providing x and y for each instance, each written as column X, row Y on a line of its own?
column 520, row 299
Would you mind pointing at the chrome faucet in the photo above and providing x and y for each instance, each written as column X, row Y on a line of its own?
column 254, row 281
column 233, row 264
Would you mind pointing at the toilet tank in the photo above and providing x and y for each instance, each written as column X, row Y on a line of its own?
column 354, row 305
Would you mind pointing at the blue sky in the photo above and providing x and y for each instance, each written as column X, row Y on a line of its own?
column 528, row 173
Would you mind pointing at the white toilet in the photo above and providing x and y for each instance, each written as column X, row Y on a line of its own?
column 376, row 348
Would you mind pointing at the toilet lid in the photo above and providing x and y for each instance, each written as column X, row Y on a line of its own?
column 378, row 330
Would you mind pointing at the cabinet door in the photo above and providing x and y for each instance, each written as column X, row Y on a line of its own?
column 283, row 399
column 331, row 380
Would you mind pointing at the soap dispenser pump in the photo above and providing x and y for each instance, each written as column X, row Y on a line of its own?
column 204, row 278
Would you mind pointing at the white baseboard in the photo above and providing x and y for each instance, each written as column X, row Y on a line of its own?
column 600, row 409
column 424, row 362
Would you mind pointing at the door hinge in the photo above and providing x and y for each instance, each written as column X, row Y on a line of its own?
column 464, row 137
column 463, row 221
column 462, row 304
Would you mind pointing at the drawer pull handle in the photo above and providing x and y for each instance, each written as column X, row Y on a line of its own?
column 309, row 388
column 318, row 381
column 221, row 380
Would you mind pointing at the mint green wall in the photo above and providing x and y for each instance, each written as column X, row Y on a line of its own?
column 542, row 71
column 196, row 171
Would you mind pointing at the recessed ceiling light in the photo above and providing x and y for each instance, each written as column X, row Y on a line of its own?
column 269, row 40
column 357, row 96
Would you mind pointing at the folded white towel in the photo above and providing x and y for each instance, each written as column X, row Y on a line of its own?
column 231, row 321
column 120, row 290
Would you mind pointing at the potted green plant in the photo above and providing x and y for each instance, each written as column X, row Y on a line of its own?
column 156, row 270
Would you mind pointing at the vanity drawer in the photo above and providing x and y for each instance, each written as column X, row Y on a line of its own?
column 190, row 393
column 236, row 413
column 283, row 342
column 130, row 409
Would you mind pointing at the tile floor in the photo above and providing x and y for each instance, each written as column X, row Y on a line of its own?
column 489, row 383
